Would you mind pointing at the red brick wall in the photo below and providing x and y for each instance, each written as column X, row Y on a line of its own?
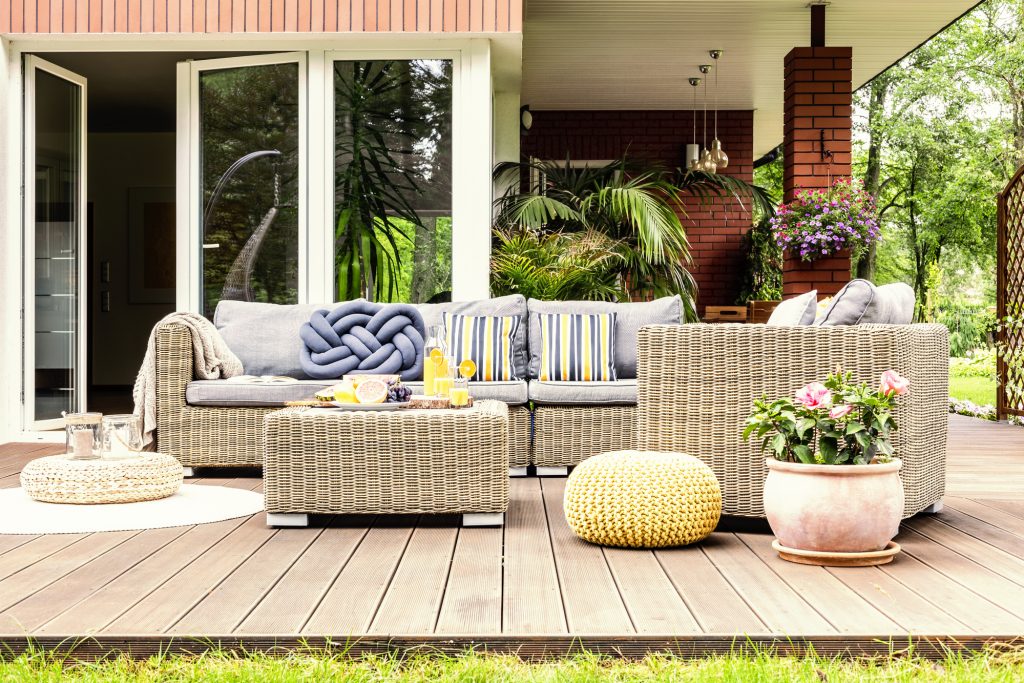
column 715, row 229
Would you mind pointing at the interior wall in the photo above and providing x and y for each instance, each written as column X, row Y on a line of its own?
column 118, row 163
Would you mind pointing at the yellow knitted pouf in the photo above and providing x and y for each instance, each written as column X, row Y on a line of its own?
column 636, row 499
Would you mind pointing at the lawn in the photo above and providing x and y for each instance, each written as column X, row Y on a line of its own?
column 1006, row 666
column 979, row 390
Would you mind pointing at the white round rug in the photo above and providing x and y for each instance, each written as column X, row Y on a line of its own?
column 192, row 504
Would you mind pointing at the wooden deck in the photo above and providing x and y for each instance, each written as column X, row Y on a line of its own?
column 531, row 587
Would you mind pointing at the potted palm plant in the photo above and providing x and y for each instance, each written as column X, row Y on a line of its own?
column 833, row 494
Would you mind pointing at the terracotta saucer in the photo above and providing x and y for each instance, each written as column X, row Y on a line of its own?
column 824, row 559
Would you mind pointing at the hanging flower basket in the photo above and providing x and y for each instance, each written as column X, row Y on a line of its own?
column 821, row 223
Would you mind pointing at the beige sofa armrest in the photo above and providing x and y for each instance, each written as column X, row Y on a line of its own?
column 697, row 383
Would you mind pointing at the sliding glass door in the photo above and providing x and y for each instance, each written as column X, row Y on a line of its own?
column 55, row 240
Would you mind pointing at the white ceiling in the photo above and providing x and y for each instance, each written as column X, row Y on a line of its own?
column 637, row 54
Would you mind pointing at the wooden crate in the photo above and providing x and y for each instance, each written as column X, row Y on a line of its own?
column 725, row 314
column 760, row 311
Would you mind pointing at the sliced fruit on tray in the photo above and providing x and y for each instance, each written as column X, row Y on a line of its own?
column 370, row 391
column 345, row 392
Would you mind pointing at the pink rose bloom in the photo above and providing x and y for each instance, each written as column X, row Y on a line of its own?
column 839, row 412
column 814, row 396
column 893, row 383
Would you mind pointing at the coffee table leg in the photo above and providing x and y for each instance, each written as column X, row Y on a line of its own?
column 188, row 472
column 483, row 519
column 552, row 471
column 517, row 471
column 289, row 519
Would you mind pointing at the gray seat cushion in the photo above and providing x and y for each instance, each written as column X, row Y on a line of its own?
column 629, row 318
column 861, row 303
column 513, row 304
column 513, row 393
column 620, row 392
column 224, row 393
column 219, row 392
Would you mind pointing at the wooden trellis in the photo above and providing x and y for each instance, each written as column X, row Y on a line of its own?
column 1010, row 297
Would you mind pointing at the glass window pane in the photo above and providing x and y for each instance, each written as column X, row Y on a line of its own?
column 249, row 121
column 392, row 179
column 58, row 110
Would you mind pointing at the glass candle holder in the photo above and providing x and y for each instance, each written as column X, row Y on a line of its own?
column 443, row 377
column 122, row 436
column 83, row 434
column 459, row 394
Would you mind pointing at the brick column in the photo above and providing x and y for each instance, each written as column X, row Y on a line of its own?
column 817, row 110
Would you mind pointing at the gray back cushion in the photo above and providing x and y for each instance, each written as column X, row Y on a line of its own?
column 629, row 318
column 861, row 303
column 513, row 304
column 265, row 337
column 798, row 310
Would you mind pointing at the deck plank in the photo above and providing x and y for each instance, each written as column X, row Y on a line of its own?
column 989, row 515
column 964, row 539
column 28, row 554
column 591, row 598
column 349, row 606
column 532, row 600
column 292, row 600
column 1013, row 507
column 227, row 605
column 651, row 600
column 162, row 608
column 472, row 599
column 716, row 606
column 978, row 614
column 105, row 605
column 413, row 599
column 775, row 603
column 72, row 588
column 840, row 606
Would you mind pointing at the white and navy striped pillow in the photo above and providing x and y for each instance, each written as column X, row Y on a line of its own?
column 487, row 341
column 577, row 347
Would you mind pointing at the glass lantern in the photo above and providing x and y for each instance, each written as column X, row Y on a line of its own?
column 122, row 436
column 83, row 435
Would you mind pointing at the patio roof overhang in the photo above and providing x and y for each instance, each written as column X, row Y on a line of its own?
column 637, row 54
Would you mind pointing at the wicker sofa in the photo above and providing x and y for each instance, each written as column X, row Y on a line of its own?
column 697, row 384
column 553, row 425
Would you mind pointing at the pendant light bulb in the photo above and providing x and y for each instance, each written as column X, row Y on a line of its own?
column 693, row 149
column 718, row 155
column 706, row 164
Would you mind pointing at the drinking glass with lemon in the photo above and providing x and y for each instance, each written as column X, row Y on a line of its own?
column 459, row 393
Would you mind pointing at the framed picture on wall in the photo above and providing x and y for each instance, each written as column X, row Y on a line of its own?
column 151, row 245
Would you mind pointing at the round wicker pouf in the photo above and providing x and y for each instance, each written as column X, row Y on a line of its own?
column 61, row 479
column 639, row 499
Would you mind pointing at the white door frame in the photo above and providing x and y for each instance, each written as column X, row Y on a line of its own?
column 189, row 235
column 33, row 65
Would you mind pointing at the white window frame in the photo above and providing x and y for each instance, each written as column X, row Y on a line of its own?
column 33, row 65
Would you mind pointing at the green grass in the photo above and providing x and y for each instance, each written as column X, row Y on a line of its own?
column 980, row 390
column 1006, row 666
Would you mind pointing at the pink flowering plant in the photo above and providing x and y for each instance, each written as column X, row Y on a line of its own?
column 819, row 223
column 835, row 422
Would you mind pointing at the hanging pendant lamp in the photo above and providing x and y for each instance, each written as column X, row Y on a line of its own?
column 706, row 164
column 693, row 149
column 718, row 155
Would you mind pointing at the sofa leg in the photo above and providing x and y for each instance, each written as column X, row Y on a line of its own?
column 189, row 472
column 483, row 519
column 932, row 509
column 289, row 519
column 552, row 471
column 517, row 472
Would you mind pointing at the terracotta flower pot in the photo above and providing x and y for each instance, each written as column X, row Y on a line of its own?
column 834, row 508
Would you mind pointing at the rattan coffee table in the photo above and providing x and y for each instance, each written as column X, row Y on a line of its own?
column 408, row 461
column 62, row 479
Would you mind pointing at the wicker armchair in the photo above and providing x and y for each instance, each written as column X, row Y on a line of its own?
column 697, row 384
column 199, row 436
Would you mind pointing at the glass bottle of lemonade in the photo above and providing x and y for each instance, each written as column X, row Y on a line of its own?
column 434, row 349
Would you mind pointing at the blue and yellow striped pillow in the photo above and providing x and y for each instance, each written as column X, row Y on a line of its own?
column 577, row 347
column 487, row 340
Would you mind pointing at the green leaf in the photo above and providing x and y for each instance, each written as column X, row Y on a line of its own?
column 803, row 426
column 829, row 449
column 804, row 454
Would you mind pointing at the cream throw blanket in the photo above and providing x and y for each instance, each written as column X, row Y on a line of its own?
column 213, row 360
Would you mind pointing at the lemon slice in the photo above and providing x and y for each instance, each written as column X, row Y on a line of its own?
column 436, row 355
column 372, row 391
column 467, row 368
column 345, row 392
